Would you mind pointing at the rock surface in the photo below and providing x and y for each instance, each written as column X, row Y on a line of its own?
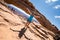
column 11, row 25
column 42, row 19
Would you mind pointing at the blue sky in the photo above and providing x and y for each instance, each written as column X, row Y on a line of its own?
column 50, row 9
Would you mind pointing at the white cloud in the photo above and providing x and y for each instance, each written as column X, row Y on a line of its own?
column 57, row 16
column 49, row 1
column 57, row 7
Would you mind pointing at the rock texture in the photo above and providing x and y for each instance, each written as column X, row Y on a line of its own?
column 25, row 5
column 11, row 25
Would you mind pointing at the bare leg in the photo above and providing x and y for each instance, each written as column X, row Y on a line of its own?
column 27, row 24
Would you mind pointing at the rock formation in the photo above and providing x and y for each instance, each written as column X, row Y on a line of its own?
column 11, row 24
column 42, row 19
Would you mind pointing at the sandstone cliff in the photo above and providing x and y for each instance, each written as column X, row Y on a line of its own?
column 10, row 21
column 25, row 5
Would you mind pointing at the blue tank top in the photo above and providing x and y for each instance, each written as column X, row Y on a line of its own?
column 30, row 18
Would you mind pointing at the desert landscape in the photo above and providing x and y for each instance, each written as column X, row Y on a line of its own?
column 11, row 24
